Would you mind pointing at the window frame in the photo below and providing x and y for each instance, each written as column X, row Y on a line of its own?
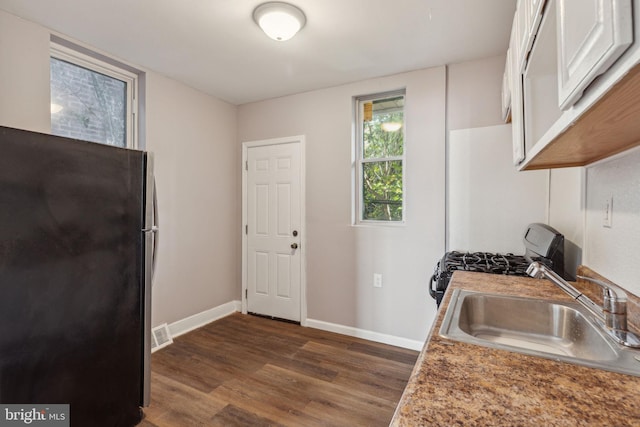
column 360, row 161
column 92, row 63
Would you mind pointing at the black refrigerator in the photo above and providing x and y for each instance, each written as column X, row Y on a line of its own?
column 77, row 251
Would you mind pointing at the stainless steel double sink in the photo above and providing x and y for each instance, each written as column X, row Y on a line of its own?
column 556, row 330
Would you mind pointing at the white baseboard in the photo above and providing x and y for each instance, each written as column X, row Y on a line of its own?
column 364, row 334
column 200, row 319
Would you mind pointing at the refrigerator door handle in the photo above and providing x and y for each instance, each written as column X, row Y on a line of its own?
column 155, row 229
column 150, row 232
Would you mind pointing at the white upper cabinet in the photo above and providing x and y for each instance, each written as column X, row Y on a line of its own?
column 506, row 88
column 523, row 33
column 524, row 42
column 574, row 81
column 515, row 82
column 528, row 16
column 535, row 15
column 591, row 35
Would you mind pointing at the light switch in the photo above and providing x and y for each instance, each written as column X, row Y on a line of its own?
column 608, row 212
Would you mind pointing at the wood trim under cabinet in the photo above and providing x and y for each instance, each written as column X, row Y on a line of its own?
column 610, row 127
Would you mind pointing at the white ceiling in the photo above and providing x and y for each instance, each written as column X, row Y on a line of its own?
column 214, row 45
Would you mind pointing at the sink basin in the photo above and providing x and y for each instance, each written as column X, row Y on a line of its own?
column 551, row 329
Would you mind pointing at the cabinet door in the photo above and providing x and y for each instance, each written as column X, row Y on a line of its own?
column 528, row 16
column 506, row 88
column 522, row 33
column 592, row 34
column 517, row 114
column 535, row 16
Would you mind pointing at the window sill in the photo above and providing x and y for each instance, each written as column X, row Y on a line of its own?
column 380, row 224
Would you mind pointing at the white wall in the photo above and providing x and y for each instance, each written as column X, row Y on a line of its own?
column 577, row 208
column 490, row 202
column 341, row 258
column 24, row 75
column 615, row 252
column 483, row 185
column 566, row 214
column 474, row 93
column 193, row 136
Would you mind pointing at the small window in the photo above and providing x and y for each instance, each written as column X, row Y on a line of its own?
column 380, row 158
column 91, row 99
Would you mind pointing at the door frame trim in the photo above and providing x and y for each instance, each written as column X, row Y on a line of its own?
column 299, row 139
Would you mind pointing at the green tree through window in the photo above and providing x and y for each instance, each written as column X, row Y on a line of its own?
column 381, row 159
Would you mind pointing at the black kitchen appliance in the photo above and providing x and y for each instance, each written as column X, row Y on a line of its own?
column 76, row 258
column 542, row 243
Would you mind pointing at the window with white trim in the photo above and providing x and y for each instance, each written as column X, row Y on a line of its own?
column 91, row 99
column 380, row 158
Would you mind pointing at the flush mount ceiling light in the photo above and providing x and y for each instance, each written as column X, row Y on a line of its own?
column 279, row 20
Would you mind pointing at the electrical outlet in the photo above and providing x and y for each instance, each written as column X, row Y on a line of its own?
column 377, row 280
column 608, row 212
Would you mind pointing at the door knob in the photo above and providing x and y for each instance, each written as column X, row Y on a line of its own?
column 294, row 246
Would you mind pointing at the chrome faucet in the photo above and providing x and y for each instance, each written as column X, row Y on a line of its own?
column 612, row 316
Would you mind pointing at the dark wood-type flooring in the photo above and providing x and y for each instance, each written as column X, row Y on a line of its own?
column 249, row 371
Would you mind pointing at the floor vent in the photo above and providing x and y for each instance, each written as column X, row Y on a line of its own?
column 161, row 337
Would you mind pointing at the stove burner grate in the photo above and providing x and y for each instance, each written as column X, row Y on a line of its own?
column 483, row 262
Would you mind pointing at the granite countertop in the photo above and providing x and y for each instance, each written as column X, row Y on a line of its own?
column 454, row 383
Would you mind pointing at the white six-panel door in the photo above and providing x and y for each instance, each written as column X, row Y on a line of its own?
column 273, row 208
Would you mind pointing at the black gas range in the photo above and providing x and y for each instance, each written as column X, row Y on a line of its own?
column 542, row 243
